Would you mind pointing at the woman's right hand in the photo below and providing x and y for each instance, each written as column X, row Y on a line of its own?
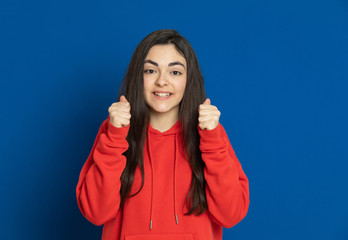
column 120, row 113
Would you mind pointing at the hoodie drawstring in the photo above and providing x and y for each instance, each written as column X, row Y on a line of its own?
column 174, row 180
column 152, row 177
column 152, row 180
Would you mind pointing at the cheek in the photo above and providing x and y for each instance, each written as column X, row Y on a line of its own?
column 147, row 84
column 147, row 90
column 181, row 86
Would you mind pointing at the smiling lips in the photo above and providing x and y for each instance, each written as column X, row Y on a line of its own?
column 162, row 94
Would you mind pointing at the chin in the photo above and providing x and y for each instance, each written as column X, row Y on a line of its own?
column 164, row 110
column 161, row 110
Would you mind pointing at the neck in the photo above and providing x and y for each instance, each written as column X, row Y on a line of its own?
column 163, row 122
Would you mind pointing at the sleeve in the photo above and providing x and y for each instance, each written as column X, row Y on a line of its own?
column 97, row 191
column 227, row 188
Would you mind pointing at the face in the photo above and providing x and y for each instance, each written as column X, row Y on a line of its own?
column 165, row 74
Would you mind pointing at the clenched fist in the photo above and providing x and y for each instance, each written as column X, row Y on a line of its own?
column 120, row 113
column 209, row 115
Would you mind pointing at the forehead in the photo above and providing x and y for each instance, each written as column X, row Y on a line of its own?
column 165, row 54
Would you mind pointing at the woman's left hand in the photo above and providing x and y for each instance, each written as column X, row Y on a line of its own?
column 209, row 115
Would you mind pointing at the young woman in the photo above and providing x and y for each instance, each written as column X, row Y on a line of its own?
column 162, row 166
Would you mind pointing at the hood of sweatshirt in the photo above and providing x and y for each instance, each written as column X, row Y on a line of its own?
column 157, row 142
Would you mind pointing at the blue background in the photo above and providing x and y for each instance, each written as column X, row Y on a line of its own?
column 277, row 70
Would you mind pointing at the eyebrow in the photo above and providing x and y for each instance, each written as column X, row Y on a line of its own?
column 170, row 64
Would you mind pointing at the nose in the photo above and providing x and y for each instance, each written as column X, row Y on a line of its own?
column 161, row 80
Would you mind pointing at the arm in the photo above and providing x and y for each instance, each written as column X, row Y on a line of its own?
column 227, row 188
column 97, row 191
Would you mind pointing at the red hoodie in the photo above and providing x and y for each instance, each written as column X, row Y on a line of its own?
column 157, row 211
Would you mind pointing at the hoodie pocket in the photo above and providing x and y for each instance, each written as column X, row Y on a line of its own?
column 185, row 236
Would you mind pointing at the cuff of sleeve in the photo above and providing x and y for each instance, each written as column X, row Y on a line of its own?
column 214, row 133
column 211, row 139
column 115, row 132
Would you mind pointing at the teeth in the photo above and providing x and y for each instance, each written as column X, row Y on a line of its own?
column 162, row 94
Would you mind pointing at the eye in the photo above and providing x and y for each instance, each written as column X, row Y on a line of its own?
column 149, row 71
column 176, row 73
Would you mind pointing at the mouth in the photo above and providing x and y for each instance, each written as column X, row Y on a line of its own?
column 162, row 94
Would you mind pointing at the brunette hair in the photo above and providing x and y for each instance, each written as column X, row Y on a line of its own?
column 132, row 88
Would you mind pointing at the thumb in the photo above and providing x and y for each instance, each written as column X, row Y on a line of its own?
column 207, row 101
column 123, row 99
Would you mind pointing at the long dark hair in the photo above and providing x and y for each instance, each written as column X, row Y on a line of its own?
column 132, row 88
